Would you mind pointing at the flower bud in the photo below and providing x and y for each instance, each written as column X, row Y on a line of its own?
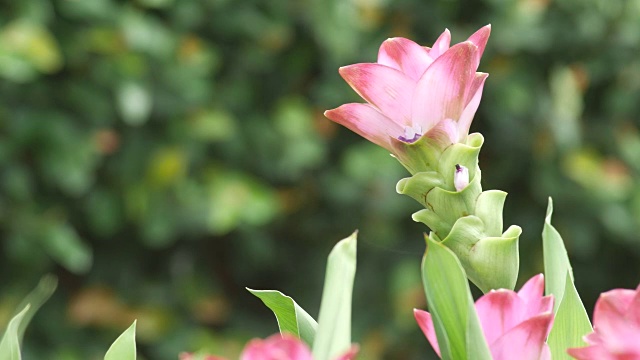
column 461, row 177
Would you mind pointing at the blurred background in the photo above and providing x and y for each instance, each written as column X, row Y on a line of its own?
column 158, row 156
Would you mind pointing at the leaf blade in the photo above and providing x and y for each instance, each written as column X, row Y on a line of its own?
column 10, row 343
column 556, row 259
column 36, row 298
column 570, row 324
column 290, row 316
column 571, row 320
column 451, row 306
column 124, row 347
column 333, row 335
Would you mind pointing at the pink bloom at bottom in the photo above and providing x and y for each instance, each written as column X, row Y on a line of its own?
column 277, row 347
column 189, row 356
column 515, row 325
column 616, row 328
column 284, row 347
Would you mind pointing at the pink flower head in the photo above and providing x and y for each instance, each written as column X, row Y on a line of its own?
column 515, row 325
column 283, row 347
column 190, row 356
column 616, row 328
column 414, row 91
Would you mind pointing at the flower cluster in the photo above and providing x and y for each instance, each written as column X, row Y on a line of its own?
column 420, row 102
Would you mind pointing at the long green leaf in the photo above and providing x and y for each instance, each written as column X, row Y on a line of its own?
column 333, row 335
column 451, row 306
column 124, row 348
column 290, row 316
column 36, row 298
column 571, row 320
column 570, row 324
column 556, row 260
column 10, row 343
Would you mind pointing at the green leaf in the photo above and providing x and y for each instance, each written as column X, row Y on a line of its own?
column 64, row 245
column 35, row 299
column 556, row 260
column 571, row 320
column 124, row 348
column 570, row 324
column 291, row 317
column 10, row 344
column 333, row 336
column 451, row 305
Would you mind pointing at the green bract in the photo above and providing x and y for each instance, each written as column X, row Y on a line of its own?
column 469, row 222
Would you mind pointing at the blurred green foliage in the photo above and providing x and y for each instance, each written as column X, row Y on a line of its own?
column 160, row 155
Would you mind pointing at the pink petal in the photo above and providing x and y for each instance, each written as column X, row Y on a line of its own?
column 533, row 289
column 634, row 307
column 426, row 324
column 386, row 88
column 349, row 355
column 615, row 331
column 591, row 353
column 475, row 94
column 445, row 133
column 276, row 347
column 546, row 351
column 440, row 93
column 441, row 45
column 611, row 309
column 525, row 341
column 592, row 339
column 531, row 293
column 366, row 121
column 404, row 55
column 617, row 300
column 480, row 38
column 499, row 311
column 189, row 356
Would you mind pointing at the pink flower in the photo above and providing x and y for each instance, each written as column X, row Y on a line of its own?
column 515, row 325
column 616, row 328
column 283, row 347
column 414, row 91
column 189, row 356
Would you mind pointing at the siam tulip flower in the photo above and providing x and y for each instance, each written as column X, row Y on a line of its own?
column 515, row 325
column 278, row 347
column 414, row 92
column 190, row 356
column 616, row 328
column 283, row 347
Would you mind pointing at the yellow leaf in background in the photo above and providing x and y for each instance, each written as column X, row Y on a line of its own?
column 213, row 125
column 26, row 46
column 567, row 105
column 99, row 306
column 167, row 166
column 608, row 178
